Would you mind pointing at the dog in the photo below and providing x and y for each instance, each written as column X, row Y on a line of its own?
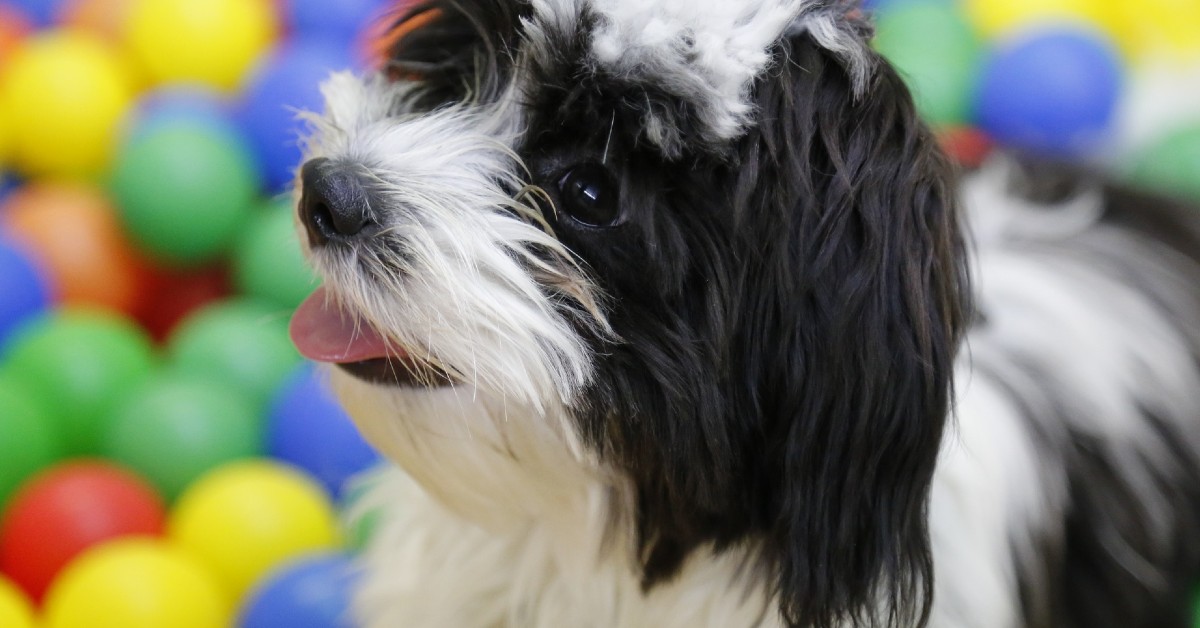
column 673, row 314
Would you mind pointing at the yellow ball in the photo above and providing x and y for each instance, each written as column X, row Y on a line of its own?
column 995, row 17
column 245, row 518
column 62, row 98
column 215, row 42
column 136, row 583
column 15, row 609
column 1161, row 28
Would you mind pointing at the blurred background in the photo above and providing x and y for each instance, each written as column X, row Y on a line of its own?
column 166, row 457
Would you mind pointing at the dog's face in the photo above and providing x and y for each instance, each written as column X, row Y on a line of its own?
column 705, row 246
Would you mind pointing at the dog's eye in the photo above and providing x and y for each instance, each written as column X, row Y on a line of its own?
column 589, row 195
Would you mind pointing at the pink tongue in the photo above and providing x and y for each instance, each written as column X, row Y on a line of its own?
column 326, row 333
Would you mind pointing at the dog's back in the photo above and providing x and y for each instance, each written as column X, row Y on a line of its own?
column 1074, row 464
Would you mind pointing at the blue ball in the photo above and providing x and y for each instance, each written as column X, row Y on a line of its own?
column 8, row 184
column 312, row 592
column 41, row 12
column 24, row 291
column 307, row 428
column 1052, row 91
column 169, row 105
column 286, row 83
column 339, row 22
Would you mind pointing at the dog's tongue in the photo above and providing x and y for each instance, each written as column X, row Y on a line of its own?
column 326, row 333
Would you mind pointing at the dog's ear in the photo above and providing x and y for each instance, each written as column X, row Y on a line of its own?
column 456, row 49
column 858, row 297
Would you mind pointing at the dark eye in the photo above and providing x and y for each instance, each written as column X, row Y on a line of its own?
column 589, row 195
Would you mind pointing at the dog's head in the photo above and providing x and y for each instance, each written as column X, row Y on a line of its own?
column 708, row 242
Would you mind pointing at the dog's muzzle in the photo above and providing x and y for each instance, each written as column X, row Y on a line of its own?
column 336, row 204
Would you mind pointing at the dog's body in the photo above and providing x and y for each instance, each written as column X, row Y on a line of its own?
column 659, row 307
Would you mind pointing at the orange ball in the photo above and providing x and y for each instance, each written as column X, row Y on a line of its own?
column 14, row 26
column 73, row 230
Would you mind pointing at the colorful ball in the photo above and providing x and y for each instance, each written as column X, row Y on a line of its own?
column 242, row 343
column 26, row 290
column 267, row 260
column 997, row 17
column 67, row 509
column 176, row 294
column 77, row 364
column 181, row 104
column 185, row 191
column 286, row 83
column 175, row 428
column 28, row 442
column 214, row 42
column 312, row 592
column 42, row 12
column 63, row 95
column 1051, row 91
column 75, row 233
column 307, row 428
column 936, row 52
column 105, row 18
column 1172, row 164
column 338, row 23
column 14, row 27
column 246, row 518
column 16, row 611
column 136, row 583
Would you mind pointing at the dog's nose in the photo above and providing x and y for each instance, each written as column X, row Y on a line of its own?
column 335, row 204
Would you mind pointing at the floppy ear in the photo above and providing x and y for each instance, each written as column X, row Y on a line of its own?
column 859, row 297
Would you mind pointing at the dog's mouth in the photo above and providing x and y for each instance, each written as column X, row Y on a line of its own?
column 324, row 332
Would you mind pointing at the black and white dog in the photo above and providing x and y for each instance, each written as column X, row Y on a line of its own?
column 667, row 312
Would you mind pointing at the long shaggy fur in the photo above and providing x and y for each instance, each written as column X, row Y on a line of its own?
column 735, row 405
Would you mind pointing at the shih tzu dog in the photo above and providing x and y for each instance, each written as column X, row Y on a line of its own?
column 667, row 314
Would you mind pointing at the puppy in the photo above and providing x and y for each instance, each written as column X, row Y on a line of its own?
column 667, row 313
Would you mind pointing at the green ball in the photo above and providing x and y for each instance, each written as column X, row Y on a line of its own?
column 77, row 364
column 241, row 342
column 28, row 440
column 185, row 191
column 267, row 261
column 176, row 427
column 1171, row 165
column 937, row 52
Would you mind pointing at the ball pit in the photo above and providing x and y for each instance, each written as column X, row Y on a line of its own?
column 136, row 583
column 312, row 592
column 307, row 428
column 74, row 232
column 77, row 364
column 246, row 518
column 25, row 288
column 214, row 42
column 267, row 260
column 176, row 427
column 28, row 441
column 63, row 94
column 67, row 509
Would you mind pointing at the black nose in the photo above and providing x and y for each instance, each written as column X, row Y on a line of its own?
column 336, row 204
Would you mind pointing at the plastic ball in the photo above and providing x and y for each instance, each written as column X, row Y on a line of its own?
column 312, row 592
column 1050, row 91
column 28, row 442
column 42, row 12
column 184, row 192
column 74, row 232
column 267, row 260
column 286, row 83
column 14, row 27
column 307, row 428
column 77, row 364
column 936, row 52
column 174, row 295
column 175, row 428
column 16, row 611
column 1156, row 28
column 136, row 583
column 67, row 509
column 995, row 17
column 193, row 105
column 106, row 18
column 338, row 22
column 214, row 42
column 246, row 518
column 26, row 291
column 63, row 94
column 1172, row 164
column 242, row 343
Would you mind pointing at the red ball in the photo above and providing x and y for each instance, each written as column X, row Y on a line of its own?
column 174, row 294
column 69, row 508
